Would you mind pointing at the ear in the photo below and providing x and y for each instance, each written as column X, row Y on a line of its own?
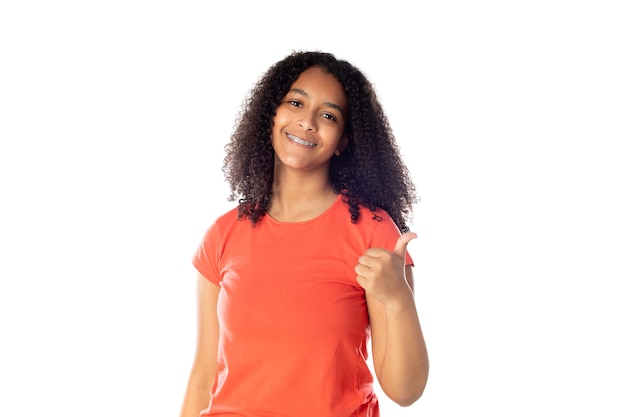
column 343, row 143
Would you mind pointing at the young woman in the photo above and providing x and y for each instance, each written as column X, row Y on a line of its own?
column 312, row 262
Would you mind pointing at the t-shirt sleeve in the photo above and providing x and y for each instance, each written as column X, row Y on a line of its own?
column 386, row 236
column 207, row 256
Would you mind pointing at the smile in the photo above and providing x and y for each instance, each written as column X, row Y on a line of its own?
column 300, row 141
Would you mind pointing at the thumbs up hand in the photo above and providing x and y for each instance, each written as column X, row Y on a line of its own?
column 381, row 272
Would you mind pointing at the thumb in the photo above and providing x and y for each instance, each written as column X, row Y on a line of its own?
column 402, row 243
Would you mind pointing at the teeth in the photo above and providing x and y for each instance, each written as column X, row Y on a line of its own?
column 301, row 141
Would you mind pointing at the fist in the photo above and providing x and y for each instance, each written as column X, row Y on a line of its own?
column 381, row 272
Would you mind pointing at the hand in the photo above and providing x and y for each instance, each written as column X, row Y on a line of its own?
column 381, row 272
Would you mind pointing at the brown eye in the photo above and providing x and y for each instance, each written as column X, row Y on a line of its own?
column 329, row 117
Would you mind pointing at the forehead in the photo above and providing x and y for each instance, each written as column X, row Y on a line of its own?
column 316, row 83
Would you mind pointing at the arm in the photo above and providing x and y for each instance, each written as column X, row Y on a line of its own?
column 398, row 348
column 204, row 366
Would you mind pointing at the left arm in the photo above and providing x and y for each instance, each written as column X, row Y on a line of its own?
column 398, row 347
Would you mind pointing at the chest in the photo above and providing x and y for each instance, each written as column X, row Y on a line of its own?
column 283, row 284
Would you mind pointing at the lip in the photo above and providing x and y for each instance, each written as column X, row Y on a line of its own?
column 299, row 141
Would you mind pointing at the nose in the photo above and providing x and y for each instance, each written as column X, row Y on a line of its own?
column 307, row 121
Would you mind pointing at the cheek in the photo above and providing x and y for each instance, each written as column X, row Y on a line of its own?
column 277, row 122
column 336, row 136
column 281, row 114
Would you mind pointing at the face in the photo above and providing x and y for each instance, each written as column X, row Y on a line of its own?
column 309, row 122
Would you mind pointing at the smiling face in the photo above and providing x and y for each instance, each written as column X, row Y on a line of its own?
column 309, row 123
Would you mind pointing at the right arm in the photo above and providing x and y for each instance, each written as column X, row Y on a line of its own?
column 204, row 366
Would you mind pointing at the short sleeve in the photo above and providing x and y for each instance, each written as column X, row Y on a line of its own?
column 207, row 257
column 386, row 235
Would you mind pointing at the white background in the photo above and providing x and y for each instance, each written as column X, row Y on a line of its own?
column 511, row 117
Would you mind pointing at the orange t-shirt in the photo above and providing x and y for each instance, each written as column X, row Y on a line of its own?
column 293, row 320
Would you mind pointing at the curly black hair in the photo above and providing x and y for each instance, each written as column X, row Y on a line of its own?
column 369, row 171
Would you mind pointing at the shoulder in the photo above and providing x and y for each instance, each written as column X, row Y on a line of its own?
column 382, row 230
column 368, row 216
column 222, row 226
column 228, row 218
column 373, row 227
column 375, row 218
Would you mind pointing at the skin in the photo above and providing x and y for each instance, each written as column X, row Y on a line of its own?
column 204, row 366
column 308, row 130
column 398, row 347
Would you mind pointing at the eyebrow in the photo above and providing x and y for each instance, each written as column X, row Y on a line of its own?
column 328, row 103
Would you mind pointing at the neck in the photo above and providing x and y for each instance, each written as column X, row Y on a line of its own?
column 299, row 196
